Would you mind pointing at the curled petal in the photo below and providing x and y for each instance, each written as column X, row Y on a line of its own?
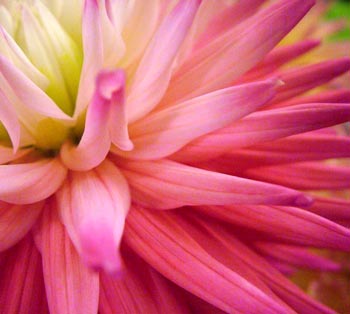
column 32, row 182
column 93, row 206
column 165, row 184
column 16, row 221
column 105, row 122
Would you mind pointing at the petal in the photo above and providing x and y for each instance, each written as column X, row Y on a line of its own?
column 28, row 93
column 166, row 131
column 139, row 290
column 164, row 184
column 291, row 224
column 16, row 221
column 303, row 176
column 93, row 206
column 171, row 250
column 70, row 286
column 21, row 286
column 229, row 56
column 154, row 71
column 221, row 241
column 32, row 182
column 9, row 119
column 105, row 121
column 298, row 256
column 265, row 126
column 7, row 155
column 331, row 208
column 300, row 80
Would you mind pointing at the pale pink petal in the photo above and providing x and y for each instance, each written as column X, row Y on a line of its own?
column 93, row 54
column 153, row 73
column 139, row 290
column 164, row 184
column 221, row 241
column 265, row 126
column 278, row 57
column 16, row 221
column 8, row 118
column 166, row 131
column 291, row 224
column 171, row 250
column 303, row 176
column 298, row 256
column 93, row 206
column 229, row 56
column 21, row 286
column 300, row 80
column 28, row 93
column 32, row 182
column 105, row 122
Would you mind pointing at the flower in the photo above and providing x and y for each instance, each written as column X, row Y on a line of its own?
column 156, row 157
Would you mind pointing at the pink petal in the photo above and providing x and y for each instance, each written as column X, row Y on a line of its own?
column 7, row 155
column 16, row 221
column 28, row 93
column 304, row 176
column 265, row 126
column 153, row 73
column 221, row 241
column 105, row 121
column 8, row 117
column 32, row 182
column 93, row 206
column 169, row 249
column 166, row 131
column 291, row 224
column 228, row 57
column 298, row 256
column 278, row 57
column 70, row 286
column 139, row 290
column 331, row 208
column 300, row 80
column 164, row 184
column 21, row 286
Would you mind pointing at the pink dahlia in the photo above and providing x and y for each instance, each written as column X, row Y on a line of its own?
column 157, row 157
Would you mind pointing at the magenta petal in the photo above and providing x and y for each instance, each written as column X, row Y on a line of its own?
column 32, row 182
column 169, row 249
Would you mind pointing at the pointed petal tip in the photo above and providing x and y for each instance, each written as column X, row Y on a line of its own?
column 303, row 201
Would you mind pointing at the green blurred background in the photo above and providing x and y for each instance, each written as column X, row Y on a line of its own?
column 340, row 10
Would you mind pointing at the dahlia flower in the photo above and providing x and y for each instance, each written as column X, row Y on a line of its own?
column 158, row 157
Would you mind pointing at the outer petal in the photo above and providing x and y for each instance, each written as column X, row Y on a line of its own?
column 165, row 184
column 227, row 58
column 16, row 221
column 70, row 286
column 153, row 74
column 32, row 182
column 7, row 155
column 22, row 288
column 293, row 225
column 105, row 121
column 93, row 206
column 166, row 131
column 168, row 248
column 265, row 126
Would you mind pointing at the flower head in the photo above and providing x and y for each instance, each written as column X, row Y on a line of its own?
column 147, row 143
